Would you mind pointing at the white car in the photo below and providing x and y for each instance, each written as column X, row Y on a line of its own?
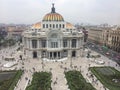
column 99, row 61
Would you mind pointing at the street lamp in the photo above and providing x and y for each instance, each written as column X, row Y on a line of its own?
column 43, row 61
column 71, row 61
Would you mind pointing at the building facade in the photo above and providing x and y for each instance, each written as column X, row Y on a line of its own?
column 96, row 35
column 52, row 38
column 113, row 41
column 109, row 37
column 15, row 31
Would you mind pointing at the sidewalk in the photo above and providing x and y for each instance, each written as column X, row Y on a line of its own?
column 23, row 82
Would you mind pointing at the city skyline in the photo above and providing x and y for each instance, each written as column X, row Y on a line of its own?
column 75, row 11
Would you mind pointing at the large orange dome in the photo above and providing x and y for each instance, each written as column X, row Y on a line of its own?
column 53, row 16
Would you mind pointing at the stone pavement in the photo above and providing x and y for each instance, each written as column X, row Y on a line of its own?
column 57, row 68
column 23, row 82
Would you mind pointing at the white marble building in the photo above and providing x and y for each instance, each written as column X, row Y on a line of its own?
column 52, row 38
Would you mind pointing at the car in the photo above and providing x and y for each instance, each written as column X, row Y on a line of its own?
column 99, row 62
column 107, row 53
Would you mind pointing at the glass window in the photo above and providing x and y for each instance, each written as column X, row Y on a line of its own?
column 54, row 44
column 63, row 26
column 34, row 43
column 64, row 43
column 44, row 43
column 53, row 26
column 59, row 25
column 50, row 25
column 56, row 25
column 46, row 25
column 43, row 25
column 74, row 43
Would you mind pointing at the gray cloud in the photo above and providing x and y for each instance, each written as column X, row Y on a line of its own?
column 74, row 11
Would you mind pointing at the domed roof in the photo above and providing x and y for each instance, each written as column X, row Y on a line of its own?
column 37, row 25
column 69, row 26
column 53, row 16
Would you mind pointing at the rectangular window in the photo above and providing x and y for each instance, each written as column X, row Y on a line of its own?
column 50, row 25
column 53, row 26
column 59, row 25
column 56, row 25
column 44, row 43
column 64, row 43
column 46, row 25
column 74, row 43
column 54, row 44
column 43, row 25
column 34, row 43
column 63, row 26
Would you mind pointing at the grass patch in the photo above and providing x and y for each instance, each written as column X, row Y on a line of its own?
column 76, row 81
column 9, row 79
column 41, row 81
column 108, row 76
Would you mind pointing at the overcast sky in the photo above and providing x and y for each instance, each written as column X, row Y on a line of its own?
column 74, row 11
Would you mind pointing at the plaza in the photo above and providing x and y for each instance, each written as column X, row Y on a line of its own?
column 57, row 68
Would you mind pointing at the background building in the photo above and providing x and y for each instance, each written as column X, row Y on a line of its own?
column 96, row 35
column 113, row 41
column 15, row 31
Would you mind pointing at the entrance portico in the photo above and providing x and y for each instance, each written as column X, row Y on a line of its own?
column 54, row 55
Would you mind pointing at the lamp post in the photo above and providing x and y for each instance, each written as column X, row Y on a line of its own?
column 43, row 61
column 71, row 61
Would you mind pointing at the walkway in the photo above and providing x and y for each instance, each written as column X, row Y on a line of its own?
column 23, row 82
column 57, row 68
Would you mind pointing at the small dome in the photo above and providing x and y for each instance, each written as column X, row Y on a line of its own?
column 53, row 17
column 69, row 26
column 37, row 25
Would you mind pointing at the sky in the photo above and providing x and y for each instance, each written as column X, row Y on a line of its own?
column 74, row 11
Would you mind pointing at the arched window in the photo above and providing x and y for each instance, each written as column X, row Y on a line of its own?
column 54, row 36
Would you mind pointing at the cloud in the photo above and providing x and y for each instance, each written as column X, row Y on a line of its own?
column 30, row 11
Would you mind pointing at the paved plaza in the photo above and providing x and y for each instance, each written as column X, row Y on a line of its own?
column 57, row 68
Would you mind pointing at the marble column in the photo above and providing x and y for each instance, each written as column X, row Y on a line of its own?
column 27, row 42
column 60, row 54
column 70, row 43
column 52, row 54
column 37, row 43
column 57, row 55
column 49, row 55
column 30, row 44
column 77, row 43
